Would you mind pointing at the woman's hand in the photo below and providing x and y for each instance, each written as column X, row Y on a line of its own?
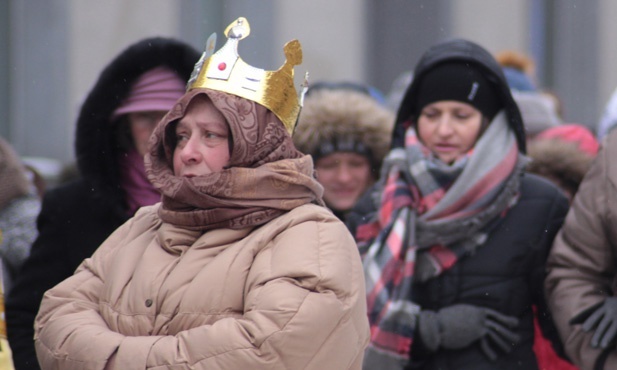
column 602, row 319
column 460, row 325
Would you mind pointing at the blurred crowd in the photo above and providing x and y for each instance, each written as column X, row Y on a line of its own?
column 456, row 221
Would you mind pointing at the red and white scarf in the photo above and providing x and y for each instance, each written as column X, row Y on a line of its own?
column 431, row 210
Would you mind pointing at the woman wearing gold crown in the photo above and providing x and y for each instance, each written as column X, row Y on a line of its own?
column 239, row 267
column 455, row 235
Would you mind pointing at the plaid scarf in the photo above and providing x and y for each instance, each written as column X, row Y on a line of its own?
column 432, row 212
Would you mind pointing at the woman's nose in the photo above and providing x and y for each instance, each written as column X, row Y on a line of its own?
column 190, row 153
column 344, row 173
column 444, row 127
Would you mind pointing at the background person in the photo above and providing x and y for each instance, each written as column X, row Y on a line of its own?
column 129, row 98
column 563, row 155
column 582, row 271
column 608, row 120
column 347, row 133
column 19, row 206
column 540, row 109
column 455, row 235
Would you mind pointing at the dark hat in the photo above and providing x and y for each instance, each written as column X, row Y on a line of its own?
column 460, row 81
column 518, row 80
column 467, row 53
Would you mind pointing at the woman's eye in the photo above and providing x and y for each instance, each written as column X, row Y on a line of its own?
column 181, row 137
column 214, row 137
column 357, row 164
column 430, row 114
column 329, row 165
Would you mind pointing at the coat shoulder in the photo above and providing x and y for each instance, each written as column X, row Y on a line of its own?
column 534, row 187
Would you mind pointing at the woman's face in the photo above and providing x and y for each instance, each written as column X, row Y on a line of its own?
column 344, row 176
column 142, row 124
column 449, row 128
column 202, row 140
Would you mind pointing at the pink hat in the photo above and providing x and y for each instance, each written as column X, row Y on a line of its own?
column 575, row 133
column 156, row 90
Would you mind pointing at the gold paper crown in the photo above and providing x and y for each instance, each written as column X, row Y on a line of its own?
column 226, row 71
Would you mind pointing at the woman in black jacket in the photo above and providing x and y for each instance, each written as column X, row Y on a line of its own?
column 455, row 236
column 130, row 96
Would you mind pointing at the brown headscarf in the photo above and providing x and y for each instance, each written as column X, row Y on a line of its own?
column 13, row 180
column 266, row 176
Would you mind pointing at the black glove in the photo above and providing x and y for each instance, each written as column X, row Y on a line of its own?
column 460, row 325
column 603, row 319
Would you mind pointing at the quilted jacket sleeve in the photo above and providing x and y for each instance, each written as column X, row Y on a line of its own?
column 69, row 330
column 582, row 264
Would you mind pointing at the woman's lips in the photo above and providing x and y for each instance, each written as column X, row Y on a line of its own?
column 445, row 147
column 344, row 192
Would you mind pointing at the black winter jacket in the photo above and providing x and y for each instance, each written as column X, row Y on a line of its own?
column 77, row 217
column 506, row 273
column 71, row 226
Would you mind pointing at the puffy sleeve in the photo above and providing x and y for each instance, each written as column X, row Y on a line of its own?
column 582, row 263
column 304, row 308
column 69, row 331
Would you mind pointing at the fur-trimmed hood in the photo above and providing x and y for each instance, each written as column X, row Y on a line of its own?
column 467, row 52
column 96, row 144
column 330, row 115
column 559, row 161
column 13, row 180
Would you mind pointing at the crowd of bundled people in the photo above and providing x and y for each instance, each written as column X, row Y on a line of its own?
column 222, row 218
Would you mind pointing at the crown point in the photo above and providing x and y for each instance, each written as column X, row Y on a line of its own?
column 238, row 29
column 225, row 71
column 293, row 52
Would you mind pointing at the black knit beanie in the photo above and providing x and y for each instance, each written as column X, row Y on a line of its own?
column 459, row 81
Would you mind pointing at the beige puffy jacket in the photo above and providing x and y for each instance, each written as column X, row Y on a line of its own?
column 287, row 295
column 583, row 261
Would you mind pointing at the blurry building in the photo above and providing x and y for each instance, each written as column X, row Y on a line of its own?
column 52, row 51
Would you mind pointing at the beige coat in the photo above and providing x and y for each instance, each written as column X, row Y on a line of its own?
column 583, row 262
column 287, row 295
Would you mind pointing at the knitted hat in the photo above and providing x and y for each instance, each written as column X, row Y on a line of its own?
column 467, row 53
column 348, row 85
column 156, row 90
column 518, row 80
column 459, row 81
column 574, row 133
column 539, row 111
column 518, row 69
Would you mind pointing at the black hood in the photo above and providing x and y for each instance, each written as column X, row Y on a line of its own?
column 96, row 144
column 469, row 52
